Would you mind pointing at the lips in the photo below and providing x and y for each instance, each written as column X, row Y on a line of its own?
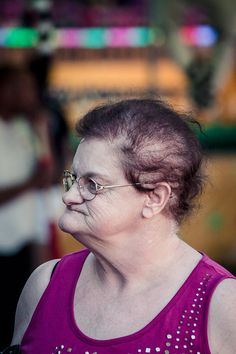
column 71, row 208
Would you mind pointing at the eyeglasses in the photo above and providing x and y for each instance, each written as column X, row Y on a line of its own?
column 88, row 187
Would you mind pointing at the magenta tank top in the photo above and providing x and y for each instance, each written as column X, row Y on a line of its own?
column 180, row 328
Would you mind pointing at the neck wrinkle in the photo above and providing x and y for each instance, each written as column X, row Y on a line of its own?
column 122, row 270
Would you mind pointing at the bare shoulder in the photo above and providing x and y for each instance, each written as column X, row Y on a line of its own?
column 222, row 318
column 29, row 298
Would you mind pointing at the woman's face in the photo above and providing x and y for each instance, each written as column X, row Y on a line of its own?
column 112, row 212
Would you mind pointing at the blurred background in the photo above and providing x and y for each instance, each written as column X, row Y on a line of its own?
column 60, row 58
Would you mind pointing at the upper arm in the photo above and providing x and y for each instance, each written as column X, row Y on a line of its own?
column 29, row 298
column 222, row 318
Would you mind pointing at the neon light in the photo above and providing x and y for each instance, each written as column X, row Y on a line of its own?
column 81, row 38
column 203, row 35
column 20, row 37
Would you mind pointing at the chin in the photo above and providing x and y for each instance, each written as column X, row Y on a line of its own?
column 68, row 224
column 62, row 224
column 65, row 224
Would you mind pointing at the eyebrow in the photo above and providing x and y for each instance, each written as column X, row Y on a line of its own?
column 94, row 175
column 97, row 176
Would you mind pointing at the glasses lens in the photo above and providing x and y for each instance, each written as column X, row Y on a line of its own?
column 68, row 180
column 88, row 188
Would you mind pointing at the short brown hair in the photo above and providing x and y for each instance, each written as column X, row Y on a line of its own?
column 156, row 144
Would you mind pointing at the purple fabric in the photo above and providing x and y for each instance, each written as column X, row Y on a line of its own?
column 181, row 327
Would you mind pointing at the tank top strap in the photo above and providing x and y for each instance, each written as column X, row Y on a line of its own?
column 70, row 265
column 214, row 274
column 193, row 302
column 55, row 304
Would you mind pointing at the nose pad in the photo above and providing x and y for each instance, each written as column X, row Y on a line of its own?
column 72, row 196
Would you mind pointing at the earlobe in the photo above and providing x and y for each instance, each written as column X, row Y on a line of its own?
column 156, row 200
column 147, row 212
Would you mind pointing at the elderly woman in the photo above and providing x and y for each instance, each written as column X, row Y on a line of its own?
column 137, row 287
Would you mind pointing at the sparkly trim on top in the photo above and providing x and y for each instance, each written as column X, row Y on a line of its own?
column 180, row 342
column 13, row 349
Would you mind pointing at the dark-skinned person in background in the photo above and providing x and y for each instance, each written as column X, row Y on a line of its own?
column 26, row 171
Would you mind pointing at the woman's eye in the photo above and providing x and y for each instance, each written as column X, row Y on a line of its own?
column 92, row 186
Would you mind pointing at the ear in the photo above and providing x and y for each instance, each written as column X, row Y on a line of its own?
column 156, row 200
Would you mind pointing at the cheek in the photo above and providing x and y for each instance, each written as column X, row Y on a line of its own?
column 98, row 213
column 110, row 215
column 103, row 214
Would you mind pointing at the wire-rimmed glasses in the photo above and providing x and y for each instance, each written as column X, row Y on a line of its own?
column 88, row 187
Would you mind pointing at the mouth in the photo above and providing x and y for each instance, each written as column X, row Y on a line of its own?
column 71, row 209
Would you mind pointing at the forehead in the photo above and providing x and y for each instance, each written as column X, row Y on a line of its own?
column 98, row 157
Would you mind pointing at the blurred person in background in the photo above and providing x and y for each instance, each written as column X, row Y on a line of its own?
column 26, row 170
column 137, row 288
column 39, row 65
column 57, row 134
column 200, row 72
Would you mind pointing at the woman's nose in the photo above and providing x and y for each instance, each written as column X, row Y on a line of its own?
column 72, row 196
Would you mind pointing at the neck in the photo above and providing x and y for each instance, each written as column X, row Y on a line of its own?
column 134, row 261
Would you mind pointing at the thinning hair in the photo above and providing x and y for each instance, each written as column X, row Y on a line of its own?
column 155, row 144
